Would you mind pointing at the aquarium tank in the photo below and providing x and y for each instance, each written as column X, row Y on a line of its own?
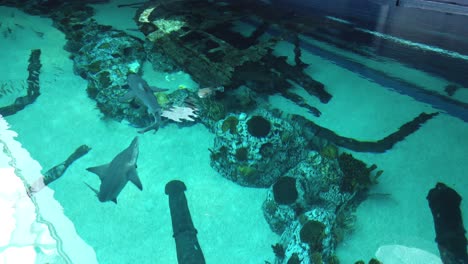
column 233, row 132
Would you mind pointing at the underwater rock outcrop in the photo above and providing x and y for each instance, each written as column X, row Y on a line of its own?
column 315, row 181
column 279, row 208
column 310, row 207
column 309, row 238
column 254, row 150
column 105, row 59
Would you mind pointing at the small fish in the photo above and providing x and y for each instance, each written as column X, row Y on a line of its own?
column 209, row 91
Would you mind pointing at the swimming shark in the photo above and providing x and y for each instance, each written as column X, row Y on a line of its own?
column 139, row 88
column 115, row 175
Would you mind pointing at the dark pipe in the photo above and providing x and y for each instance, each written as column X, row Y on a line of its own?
column 34, row 69
column 450, row 232
column 185, row 234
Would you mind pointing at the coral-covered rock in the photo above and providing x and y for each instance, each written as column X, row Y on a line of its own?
column 309, row 237
column 357, row 176
column 105, row 59
column 254, row 150
column 317, row 176
column 285, row 191
column 313, row 182
column 283, row 203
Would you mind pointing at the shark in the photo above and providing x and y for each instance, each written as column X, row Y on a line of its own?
column 115, row 175
column 139, row 89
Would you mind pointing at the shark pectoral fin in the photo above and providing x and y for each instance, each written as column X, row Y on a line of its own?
column 94, row 190
column 126, row 97
column 99, row 170
column 133, row 177
column 156, row 89
column 114, row 200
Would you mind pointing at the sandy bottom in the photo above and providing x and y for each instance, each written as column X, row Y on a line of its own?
column 228, row 217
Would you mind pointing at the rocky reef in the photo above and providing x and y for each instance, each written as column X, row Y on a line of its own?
column 247, row 145
column 302, row 207
column 105, row 59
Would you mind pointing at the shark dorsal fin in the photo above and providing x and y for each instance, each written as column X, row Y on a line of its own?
column 133, row 177
column 99, row 170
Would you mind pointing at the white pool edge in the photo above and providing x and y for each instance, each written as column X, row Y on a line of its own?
column 35, row 229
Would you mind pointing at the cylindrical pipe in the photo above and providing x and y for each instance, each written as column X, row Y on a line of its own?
column 450, row 232
column 185, row 234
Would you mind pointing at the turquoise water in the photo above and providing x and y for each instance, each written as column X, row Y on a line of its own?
column 372, row 97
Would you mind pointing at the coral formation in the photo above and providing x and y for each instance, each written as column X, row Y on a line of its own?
column 294, row 259
column 330, row 151
column 211, row 111
column 242, row 154
column 284, row 190
column 247, row 173
column 105, row 57
column 357, row 176
column 312, row 233
column 333, row 260
column 163, row 99
column 230, row 124
column 316, row 258
column 278, row 249
column 314, row 221
column 249, row 149
column 258, row 126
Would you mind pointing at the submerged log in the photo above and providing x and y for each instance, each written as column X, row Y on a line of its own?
column 58, row 170
column 448, row 223
column 33, row 92
column 378, row 146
